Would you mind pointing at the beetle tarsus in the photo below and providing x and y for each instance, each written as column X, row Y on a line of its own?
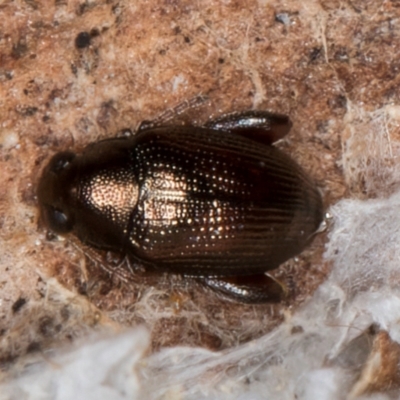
column 250, row 289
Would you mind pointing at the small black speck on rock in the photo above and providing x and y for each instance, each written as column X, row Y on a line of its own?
column 315, row 53
column 94, row 32
column 18, row 304
column 33, row 347
column 82, row 40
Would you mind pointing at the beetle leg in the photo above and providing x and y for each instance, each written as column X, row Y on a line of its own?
column 250, row 289
column 172, row 113
column 261, row 126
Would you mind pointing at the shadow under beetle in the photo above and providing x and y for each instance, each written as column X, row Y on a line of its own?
column 216, row 202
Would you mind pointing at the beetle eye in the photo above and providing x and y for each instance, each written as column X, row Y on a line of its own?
column 61, row 161
column 58, row 221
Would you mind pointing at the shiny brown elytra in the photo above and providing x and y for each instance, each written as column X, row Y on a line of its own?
column 218, row 202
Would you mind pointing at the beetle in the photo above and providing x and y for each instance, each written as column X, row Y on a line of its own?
column 216, row 202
